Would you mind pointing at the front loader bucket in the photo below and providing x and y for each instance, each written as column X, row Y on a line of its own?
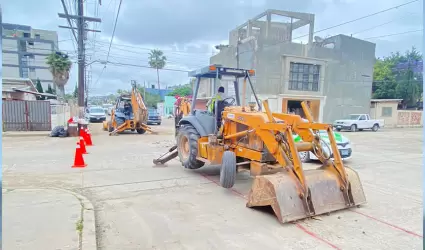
column 280, row 192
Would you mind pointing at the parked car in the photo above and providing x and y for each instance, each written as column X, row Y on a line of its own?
column 343, row 144
column 154, row 117
column 95, row 114
column 356, row 122
column 107, row 107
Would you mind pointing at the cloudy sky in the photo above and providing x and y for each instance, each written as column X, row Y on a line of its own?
column 187, row 30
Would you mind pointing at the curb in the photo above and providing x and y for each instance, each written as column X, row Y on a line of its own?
column 89, row 225
column 89, row 241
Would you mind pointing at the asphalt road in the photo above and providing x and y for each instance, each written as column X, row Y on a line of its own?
column 139, row 206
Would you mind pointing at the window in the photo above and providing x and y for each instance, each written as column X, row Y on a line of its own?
column 362, row 118
column 25, row 73
column 27, row 34
column 387, row 111
column 30, row 43
column 37, row 36
column 32, row 69
column 304, row 77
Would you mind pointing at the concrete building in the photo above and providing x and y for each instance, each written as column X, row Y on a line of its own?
column 25, row 50
column 334, row 74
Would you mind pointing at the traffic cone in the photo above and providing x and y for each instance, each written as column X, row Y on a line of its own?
column 84, row 135
column 88, row 137
column 78, row 159
column 83, row 146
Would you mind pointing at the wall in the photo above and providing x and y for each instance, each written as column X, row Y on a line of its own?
column 409, row 118
column 60, row 113
column 169, row 104
column 342, row 67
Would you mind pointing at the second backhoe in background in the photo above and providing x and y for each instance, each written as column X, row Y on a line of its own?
column 129, row 113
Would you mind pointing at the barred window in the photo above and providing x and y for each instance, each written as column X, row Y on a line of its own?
column 304, row 77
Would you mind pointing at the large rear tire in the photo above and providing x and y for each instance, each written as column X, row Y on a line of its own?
column 228, row 170
column 187, row 147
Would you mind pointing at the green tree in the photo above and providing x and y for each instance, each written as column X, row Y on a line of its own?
column 50, row 90
column 59, row 66
column 39, row 88
column 157, row 60
column 400, row 84
column 75, row 94
column 184, row 90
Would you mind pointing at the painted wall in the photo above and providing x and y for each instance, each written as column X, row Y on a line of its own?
column 342, row 86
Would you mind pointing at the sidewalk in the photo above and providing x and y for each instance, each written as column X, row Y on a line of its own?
column 25, row 133
column 41, row 219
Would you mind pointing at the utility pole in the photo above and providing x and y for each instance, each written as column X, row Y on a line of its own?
column 80, row 37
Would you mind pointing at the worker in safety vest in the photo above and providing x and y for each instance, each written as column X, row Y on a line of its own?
column 218, row 96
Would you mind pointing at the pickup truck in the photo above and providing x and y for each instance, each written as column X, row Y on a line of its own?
column 357, row 122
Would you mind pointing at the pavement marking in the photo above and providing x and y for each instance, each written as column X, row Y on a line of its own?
column 388, row 224
column 299, row 226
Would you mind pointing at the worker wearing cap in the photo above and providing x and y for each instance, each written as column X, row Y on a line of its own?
column 218, row 96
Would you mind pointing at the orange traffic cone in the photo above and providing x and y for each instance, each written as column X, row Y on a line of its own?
column 83, row 146
column 78, row 159
column 84, row 135
column 88, row 137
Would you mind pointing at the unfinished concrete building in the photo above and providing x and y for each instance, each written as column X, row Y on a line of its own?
column 334, row 73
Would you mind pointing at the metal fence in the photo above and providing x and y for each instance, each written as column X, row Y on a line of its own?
column 60, row 113
column 26, row 115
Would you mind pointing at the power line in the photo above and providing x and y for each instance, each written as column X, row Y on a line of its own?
column 149, row 49
column 341, row 24
column 148, row 67
column 394, row 34
column 382, row 24
column 115, row 26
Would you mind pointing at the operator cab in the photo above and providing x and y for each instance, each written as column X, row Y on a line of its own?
column 124, row 106
column 217, row 75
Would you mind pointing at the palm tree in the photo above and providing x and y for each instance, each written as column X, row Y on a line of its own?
column 157, row 60
column 59, row 66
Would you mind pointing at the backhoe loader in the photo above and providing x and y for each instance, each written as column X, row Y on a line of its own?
column 240, row 137
column 129, row 113
column 181, row 109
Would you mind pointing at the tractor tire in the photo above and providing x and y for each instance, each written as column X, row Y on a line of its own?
column 140, row 131
column 228, row 170
column 187, row 147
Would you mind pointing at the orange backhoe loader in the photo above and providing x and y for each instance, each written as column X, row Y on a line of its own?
column 129, row 113
column 250, row 137
column 181, row 109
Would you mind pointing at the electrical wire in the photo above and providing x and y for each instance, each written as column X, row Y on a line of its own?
column 394, row 34
column 338, row 25
column 115, row 26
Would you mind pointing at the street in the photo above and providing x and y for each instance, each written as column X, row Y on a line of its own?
column 139, row 206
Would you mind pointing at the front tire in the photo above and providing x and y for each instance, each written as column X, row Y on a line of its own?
column 353, row 128
column 228, row 170
column 187, row 147
column 140, row 131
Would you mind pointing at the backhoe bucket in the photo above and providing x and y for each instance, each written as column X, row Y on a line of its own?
column 280, row 192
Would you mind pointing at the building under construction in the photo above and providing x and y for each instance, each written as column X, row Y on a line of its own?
column 333, row 73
